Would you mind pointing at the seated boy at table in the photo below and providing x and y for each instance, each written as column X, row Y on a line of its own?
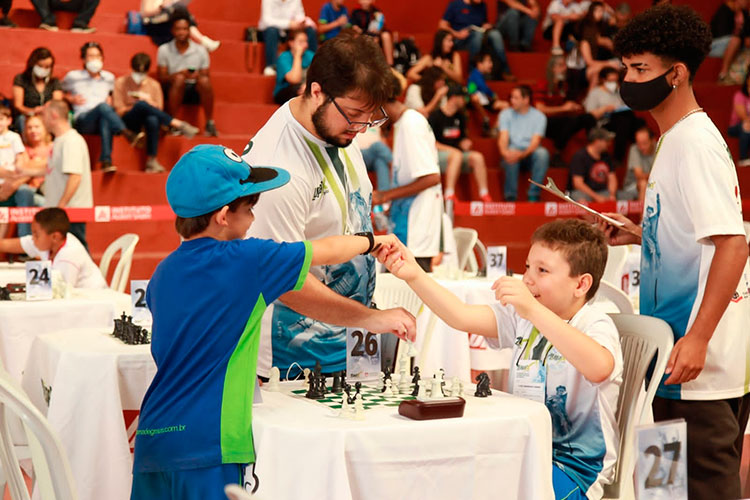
column 207, row 299
column 555, row 335
column 50, row 240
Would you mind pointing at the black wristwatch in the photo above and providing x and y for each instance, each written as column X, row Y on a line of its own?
column 371, row 239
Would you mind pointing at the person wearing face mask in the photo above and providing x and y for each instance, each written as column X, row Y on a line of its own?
column 606, row 105
column 138, row 99
column 694, row 264
column 35, row 86
column 89, row 90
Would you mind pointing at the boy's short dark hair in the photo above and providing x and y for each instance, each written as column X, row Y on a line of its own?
column 605, row 72
column 190, row 226
column 348, row 62
column 53, row 220
column 141, row 62
column 5, row 111
column 477, row 59
column 179, row 15
column 673, row 33
column 583, row 246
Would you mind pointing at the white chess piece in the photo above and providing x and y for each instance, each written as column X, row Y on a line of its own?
column 436, row 392
column 422, row 393
column 388, row 385
column 394, row 389
column 305, row 373
column 403, row 381
column 345, row 410
column 273, row 379
column 359, row 408
column 455, row 387
column 412, row 351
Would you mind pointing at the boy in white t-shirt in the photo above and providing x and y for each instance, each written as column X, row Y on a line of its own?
column 556, row 336
column 694, row 269
column 417, row 201
column 50, row 240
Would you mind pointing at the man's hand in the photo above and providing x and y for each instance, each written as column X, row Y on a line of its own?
column 617, row 237
column 513, row 156
column 397, row 321
column 687, row 359
column 465, row 144
column 462, row 34
column 509, row 290
column 297, row 25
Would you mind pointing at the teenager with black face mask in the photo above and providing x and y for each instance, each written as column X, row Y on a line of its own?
column 694, row 271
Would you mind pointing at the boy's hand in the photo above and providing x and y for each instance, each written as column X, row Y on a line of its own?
column 397, row 321
column 387, row 241
column 400, row 262
column 614, row 235
column 513, row 291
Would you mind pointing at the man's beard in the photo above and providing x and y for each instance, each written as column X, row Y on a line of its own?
column 322, row 129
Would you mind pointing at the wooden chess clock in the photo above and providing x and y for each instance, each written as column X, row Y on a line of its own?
column 449, row 407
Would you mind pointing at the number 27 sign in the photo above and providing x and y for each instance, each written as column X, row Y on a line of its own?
column 661, row 469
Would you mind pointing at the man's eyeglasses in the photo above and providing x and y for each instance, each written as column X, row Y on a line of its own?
column 358, row 126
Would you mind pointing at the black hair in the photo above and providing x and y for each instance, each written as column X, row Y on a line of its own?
column 38, row 54
column 53, row 220
column 90, row 45
column 190, row 226
column 672, row 33
column 525, row 91
column 179, row 15
column 606, row 71
column 477, row 59
column 141, row 62
column 437, row 44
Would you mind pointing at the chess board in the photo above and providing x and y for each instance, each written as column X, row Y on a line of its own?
column 371, row 397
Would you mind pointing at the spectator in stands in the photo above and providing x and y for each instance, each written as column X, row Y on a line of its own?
column 377, row 156
column 428, row 93
column 370, row 20
column 12, row 159
column 68, row 179
column 640, row 159
column 483, row 98
column 730, row 26
column 35, row 86
column 623, row 14
column 565, row 116
column 592, row 174
column 518, row 22
column 466, row 20
column 139, row 101
column 277, row 19
column 333, row 18
column 594, row 47
column 443, row 56
column 606, row 105
column 157, row 16
column 39, row 149
column 448, row 122
column 183, row 73
column 89, row 90
column 84, row 8
column 522, row 127
column 739, row 121
column 5, row 21
column 560, row 22
column 292, row 67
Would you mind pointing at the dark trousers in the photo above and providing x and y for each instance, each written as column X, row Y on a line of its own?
column 561, row 128
column 623, row 124
column 715, row 431
column 144, row 116
column 78, row 229
column 744, row 137
column 272, row 37
column 102, row 121
column 5, row 6
column 85, row 9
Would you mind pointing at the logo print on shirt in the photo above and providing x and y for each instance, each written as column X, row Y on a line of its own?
column 320, row 190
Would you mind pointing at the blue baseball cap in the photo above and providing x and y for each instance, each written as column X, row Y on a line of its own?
column 210, row 176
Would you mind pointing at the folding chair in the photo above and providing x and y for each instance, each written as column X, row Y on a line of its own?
column 125, row 244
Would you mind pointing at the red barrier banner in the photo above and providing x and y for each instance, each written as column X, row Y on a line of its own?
column 99, row 213
column 544, row 209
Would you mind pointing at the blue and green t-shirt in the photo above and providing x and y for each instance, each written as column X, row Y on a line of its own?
column 207, row 299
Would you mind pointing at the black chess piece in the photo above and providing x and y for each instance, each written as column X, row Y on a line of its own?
column 336, row 388
column 347, row 390
column 4, row 294
column 483, row 386
column 322, row 389
column 415, row 381
column 311, row 393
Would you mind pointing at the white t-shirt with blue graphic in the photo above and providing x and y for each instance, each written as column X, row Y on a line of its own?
column 693, row 194
column 314, row 204
column 584, row 429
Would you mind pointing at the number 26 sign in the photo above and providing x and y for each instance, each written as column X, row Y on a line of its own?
column 362, row 354
column 661, row 468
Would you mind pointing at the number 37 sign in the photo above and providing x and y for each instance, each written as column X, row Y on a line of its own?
column 661, row 470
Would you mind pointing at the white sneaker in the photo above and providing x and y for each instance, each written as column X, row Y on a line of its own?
column 210, row 45
column 269, row 71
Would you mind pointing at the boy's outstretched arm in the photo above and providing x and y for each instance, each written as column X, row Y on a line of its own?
column 478, row 319
column 338, row 249
column 320, row 302
column 11, row 245
column 588, row 356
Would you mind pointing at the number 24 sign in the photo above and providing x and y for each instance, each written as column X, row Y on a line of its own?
column 661, row 470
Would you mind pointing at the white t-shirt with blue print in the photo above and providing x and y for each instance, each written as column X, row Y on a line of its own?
column 584, row 429
column 693, row 194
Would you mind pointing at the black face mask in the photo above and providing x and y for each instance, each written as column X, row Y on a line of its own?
column 645, row 96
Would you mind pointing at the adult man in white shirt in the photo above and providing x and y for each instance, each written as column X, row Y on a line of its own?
column 279, row 17
column 312, row 136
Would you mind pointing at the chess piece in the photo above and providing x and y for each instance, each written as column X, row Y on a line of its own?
column 359, row 407
column 311, row 388
column 455, row 387
column 345, row 410
column 386, row 374
column 436, row 391
column 387, row 387
column 357, row 388
column 483, row 386
column 403, row 381
column 415, row 380
column 422, row 390
column 394, row 389
column 412, row 350
column 305, row 373
column 347, row 390
column 273, row 379
column 382, row 382
column 336, row 387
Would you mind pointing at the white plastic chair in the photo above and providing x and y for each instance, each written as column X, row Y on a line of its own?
column 125, row 244
column 476, row 264
column 52, row 470
column 608, row 291
column 641, row 337
column 616, row 258
column 466, row 239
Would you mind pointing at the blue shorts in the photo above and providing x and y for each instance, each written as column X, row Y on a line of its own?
column 565, row 488
column 192, row 484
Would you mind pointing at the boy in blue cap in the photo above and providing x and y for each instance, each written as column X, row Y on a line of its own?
column 207, row 299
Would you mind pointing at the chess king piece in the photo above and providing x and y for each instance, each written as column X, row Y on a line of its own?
column 273, row 379
column 483, row 386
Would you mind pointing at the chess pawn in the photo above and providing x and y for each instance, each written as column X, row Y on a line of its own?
column 388, row 387
column 345, row 410
column 436, row 392
column 422, row 393
column 359, row 408
column 455, row 387
column 305, row 373
column 273, row 379
column 394, row 389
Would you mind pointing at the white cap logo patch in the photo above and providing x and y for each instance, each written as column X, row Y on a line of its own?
column 232, row 155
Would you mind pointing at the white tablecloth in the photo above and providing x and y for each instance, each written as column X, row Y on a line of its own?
column 96, row 386
column 12, row 273
column 21, row 321
column 501, row 448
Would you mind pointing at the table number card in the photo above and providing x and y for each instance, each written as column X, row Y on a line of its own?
column 141, row 314
column 661, row 463
column 362, row 354
column 39, row 280
column 496, row 262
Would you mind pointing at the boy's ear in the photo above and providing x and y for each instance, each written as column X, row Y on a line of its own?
column 584, row 285
column 220, row 217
